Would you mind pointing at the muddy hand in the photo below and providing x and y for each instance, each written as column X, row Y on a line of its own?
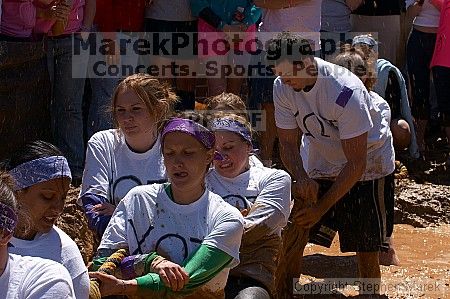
column 173, row 275
column 309, row 216
column 306, row 190
column 110, row 285
column 104, row 209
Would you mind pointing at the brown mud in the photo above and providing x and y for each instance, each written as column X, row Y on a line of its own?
column 421, row 237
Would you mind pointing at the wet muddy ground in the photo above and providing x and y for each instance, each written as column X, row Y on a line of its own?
column 424, row 270
column 422, row 238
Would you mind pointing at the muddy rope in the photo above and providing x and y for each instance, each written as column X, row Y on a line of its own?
column 108, row 267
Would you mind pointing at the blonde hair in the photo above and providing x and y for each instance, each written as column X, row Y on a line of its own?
column 7, row 195
column 228, row 102
column 156, row 95
column 355, row 60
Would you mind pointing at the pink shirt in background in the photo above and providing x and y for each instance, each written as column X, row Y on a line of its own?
column 441, row 54
column 18, row 18
column 73, row 25
column 211, row 34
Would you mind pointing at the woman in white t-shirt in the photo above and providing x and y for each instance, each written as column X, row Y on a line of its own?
column 189, row 236
column 23, row 276
column 263, row 195
column 120, row 159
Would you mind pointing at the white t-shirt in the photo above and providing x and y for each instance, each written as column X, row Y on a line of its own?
column 336, row 16
column 147, row 220
column 266, row 194
column 382, row 106
column 303, row 18
column 28, row 277
column 337, row 107
column 57, row 246
column 112, row 169
column 428, row 16
column 254, row 161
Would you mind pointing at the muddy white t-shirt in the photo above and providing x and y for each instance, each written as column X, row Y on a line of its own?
column 266, row 194
column 28, row 277
column 147, row 220
column 112, row 169
column 337, row 107
column 57, row 246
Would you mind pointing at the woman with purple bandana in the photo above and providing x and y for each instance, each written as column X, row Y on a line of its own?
column 182, row 237
column 42, row 177
column 262, row 195
column 23, row 276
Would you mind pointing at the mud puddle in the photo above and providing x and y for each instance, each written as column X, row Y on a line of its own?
column 424, row 270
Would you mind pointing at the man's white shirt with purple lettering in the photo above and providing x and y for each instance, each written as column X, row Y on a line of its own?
column 338, row 107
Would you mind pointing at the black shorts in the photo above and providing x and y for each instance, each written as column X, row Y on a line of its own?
column 152, row 25
column 419, row 51
column 441, row 77
column 359, row 218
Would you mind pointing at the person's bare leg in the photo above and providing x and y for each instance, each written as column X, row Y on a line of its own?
column 268, row 136
column 389, row 258
column 421, row 125
column 369, row 272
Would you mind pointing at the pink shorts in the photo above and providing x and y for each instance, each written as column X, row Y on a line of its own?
column 213, row 42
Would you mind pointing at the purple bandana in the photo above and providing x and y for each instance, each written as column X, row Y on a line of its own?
column 199, row 132
column 40, row 170
column 8, row 218
column 228, row 124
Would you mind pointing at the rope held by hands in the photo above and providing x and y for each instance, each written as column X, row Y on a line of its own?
column 108, row 267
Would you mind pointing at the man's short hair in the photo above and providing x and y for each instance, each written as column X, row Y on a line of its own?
column 288, row 46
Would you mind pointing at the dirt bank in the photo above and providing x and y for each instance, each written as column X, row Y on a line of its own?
column 74, row 223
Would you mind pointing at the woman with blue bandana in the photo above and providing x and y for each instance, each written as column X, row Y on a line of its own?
column 262, row 195
column 23, row 276
column 182, row 237
column 42, row 177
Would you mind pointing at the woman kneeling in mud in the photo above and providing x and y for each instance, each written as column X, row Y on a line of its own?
column 189, row 235
column 263, row 195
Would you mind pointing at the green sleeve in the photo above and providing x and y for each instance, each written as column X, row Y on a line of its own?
column 97, row 263
column 201, row 266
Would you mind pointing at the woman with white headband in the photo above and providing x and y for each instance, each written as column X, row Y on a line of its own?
column 42, row 178
column 182, row 237
column 23, row 276
column 263, row 195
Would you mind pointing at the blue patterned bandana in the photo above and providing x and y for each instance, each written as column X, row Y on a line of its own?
column 40, row 170
column 8, row 219
column 365, row 40
column 228, row 124
column 199, row 132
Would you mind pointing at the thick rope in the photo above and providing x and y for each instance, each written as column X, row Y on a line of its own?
column 108, row 267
